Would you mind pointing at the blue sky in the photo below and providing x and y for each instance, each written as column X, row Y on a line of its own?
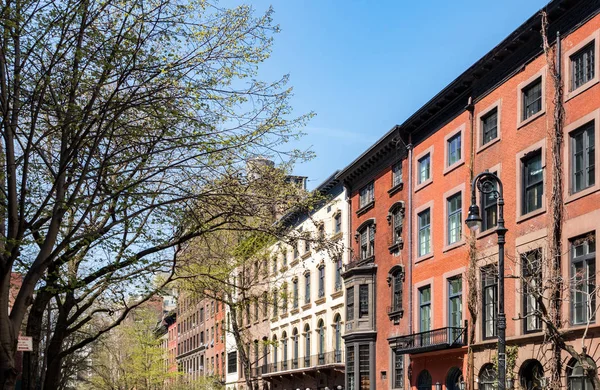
column 364, row 66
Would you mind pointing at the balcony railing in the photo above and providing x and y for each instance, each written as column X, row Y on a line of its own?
column 318, row 360
column 431, row 340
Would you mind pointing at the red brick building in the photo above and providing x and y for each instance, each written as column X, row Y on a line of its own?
column 496, row 116
column 375, row 275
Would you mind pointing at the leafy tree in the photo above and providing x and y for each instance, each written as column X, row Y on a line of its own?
column 125, row 129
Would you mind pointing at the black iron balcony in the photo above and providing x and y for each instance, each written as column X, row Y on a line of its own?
column 313, row 361
column 431, row 340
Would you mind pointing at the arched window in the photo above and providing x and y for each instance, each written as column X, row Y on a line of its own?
column 531, row 375
column 365, row 235
column 487, row 377
column 337, row 320
column 284, row 350
column 396, row 220
column 454, row 378
column 306, row 346
column 395, row 279
column 274, row 359
column 576, row 378
column 295, row 348
column 321, row 327
column 424, row 380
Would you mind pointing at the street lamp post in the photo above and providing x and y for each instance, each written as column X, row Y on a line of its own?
column 484, row 182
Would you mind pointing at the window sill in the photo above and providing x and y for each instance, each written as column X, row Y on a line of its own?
column 581, row 89
column 294, row 262
column 307, row 306
column 531, row 214
column 490, row 143
column 424, row 184
column 424, row 257
column 294, row 311
column 320, row 301
column 274, row 318
column 527, row 121
column 284, row 315
column 580, row 194
column 336, row 236
column 454, row 166
column 396, row 315
column 365, row 208
column 283, row 269
column 394, row 248
column 486, row 233
column 455, row 245
column 337, row 294
column 306, row 255
column 396, row 188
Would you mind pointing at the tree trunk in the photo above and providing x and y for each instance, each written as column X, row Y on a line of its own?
column 31, row 362
column 52, row 376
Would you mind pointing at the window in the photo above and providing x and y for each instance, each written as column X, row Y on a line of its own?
column 583, row 279
column 350, row 303
column 284, row 298
column 489, row 204
column 350, row 367
column 397, row 291
column 295, row 293
column 256, row 309
column 582, row 66
column 398, row 371
column 532, row 99
column 321, row 327
column 296, row 253
column 284, row 350
column 364, row 367
column 424, row 309
column 338, row 338
column 490, row 301
column 307, row 287
column 424, row 232
column 583, row 161
column 396, row 216
column 533, row 182
column 455, row 307
column 396, row 174
column 295, row 348
column 232, row 362
column 489, row 126
column 275, row 347
column 265, row 304
column 275, row 302
column 367, row 241
column 274, row 266
column 424, row 166
column 532, row 280
column 366, row 195
column 363, row 300
column 337, row 223
column 454, row 149
column 454, row 207
column 338, row 274
column 306, row 346
column 321, row 281
column 576, row 377
column 487, row 377
column 306, row 246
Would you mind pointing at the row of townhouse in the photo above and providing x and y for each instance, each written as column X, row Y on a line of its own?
column 407, row 281
column 391, row 310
